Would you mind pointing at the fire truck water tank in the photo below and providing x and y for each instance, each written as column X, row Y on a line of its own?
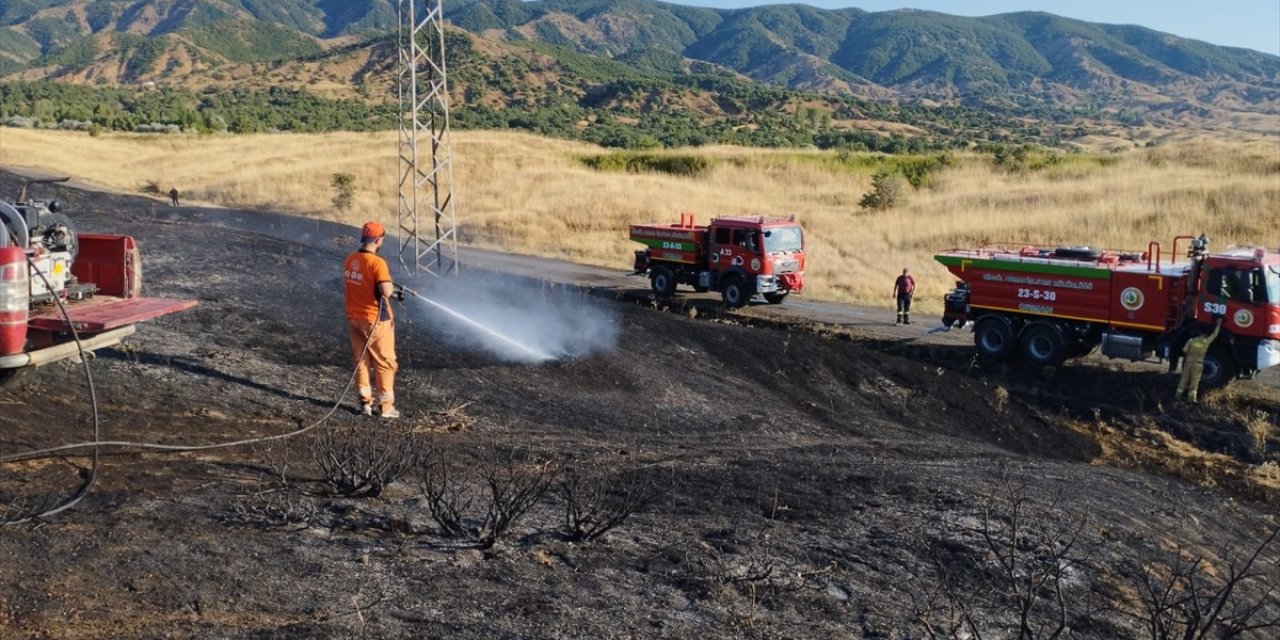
column 1118, row 345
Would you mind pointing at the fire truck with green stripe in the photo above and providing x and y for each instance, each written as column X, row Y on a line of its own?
column 740, row 257
column 1048, row 304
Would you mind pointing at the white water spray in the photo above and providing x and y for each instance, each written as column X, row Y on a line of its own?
column 534, row 354
column 518, row 320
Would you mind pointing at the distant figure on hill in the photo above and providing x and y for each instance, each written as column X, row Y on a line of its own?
column 903, row 288
column 173, row 196
column 1193, row 365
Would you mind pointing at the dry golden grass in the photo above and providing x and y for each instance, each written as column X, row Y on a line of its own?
column 532, row 195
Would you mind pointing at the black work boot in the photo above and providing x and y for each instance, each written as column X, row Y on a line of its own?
column 906, row 319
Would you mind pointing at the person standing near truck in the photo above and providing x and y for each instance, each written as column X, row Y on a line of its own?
column 1193, row 364
column 903, row 288
column 368, row 293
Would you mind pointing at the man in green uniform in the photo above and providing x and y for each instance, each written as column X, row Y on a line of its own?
column 1193, row 364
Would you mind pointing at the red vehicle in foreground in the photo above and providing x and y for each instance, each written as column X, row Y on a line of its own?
column 1048, row 304
column 740, row 257
column 46, row 268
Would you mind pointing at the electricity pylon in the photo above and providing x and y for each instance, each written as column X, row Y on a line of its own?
column 426, row 166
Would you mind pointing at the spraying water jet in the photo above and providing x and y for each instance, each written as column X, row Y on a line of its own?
column 530, row 352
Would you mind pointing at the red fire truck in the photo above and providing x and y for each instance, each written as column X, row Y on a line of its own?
column 1047, row 304
column 738, row 256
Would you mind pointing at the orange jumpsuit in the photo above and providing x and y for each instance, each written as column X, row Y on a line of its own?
column 369, row 320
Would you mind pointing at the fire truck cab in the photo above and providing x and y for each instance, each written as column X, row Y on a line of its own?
column 740, row 257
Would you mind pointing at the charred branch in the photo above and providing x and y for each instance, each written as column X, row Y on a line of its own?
column 597, row 500
column 359, row 462
column 477, row 497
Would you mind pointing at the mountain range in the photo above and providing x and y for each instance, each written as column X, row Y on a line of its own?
column 1021, row 63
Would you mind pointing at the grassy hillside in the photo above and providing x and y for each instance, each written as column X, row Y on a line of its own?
column 245, row 41
column 1002, row 60
column 540, row 196
column 1029, row 64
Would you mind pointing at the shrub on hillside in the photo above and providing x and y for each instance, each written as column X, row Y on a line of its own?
column 344, row 186
column 919, row 170
column 688, row 166
column 887, row 191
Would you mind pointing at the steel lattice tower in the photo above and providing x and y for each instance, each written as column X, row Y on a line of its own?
column 426, row 175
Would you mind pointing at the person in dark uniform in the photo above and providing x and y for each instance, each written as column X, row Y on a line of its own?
column 903, row 288
column 173, row 196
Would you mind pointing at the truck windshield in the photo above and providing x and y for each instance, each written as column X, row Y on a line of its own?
column 780, row 239
column 1272, row 275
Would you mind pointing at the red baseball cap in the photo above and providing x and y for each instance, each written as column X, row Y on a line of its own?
column 372, row 231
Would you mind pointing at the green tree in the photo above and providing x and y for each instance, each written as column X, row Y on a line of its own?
column 887, row 191
column 344, row 186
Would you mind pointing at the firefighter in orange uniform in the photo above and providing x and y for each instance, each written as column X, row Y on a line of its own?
column 367, row 283
column 1193, row 364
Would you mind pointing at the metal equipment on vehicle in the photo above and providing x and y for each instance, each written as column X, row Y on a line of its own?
column 57, row 285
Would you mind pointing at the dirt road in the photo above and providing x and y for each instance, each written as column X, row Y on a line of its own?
column 808, row 480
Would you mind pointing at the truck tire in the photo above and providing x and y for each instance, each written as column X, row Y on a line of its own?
column 993, row 339
column 776, row 298
column 663, row 281
column 1042, row 345
column 1220, row 368
column 734, row 292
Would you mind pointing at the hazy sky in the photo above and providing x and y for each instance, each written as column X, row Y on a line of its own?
column 1254, row 24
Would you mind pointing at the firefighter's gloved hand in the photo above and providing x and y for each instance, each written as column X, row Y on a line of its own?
column 397, row 292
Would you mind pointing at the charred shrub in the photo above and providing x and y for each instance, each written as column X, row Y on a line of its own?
column 1193, row 593
column 357, row 461
column 1007, row 571
column 477, row 495
column 598, row 498
column 272, row 509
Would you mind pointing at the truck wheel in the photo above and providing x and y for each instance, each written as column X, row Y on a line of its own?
column 734, row 292
column 1042, row 345
column 663, row 281
column 992, row 339
column 1219, row 368
column 775, row 298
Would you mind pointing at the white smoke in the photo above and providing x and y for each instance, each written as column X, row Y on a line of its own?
column 515, row 320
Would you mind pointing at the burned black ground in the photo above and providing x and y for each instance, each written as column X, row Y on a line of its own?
column 809, row 481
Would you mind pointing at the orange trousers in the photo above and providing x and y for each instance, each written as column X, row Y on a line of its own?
column 380, row 356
